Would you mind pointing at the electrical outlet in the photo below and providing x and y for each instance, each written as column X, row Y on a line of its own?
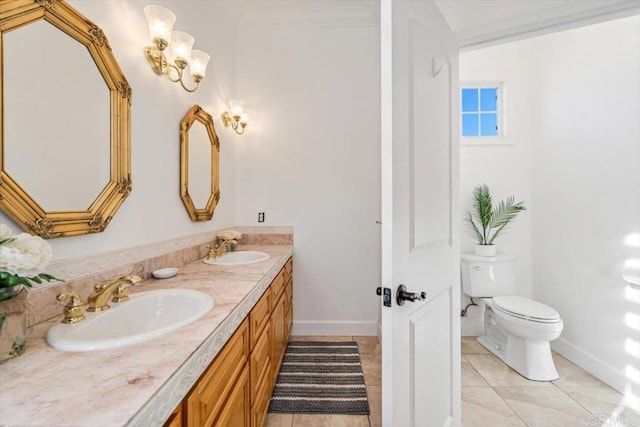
column 260, row 216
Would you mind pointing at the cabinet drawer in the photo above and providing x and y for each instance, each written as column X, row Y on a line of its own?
column 206, row 399
column 259, row 316
column 277, row 286
column 260, row 360
column 263, row 397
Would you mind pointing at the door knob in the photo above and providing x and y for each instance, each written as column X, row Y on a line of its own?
column 402, row 295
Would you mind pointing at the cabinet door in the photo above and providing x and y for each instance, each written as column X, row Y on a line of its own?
column 278, row 323
column 261, row 404
column 175, row 419
column 209, row 396
column 260, row 360
column 236, row 411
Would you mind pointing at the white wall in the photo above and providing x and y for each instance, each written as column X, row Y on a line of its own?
column 309, row 73
column 154, row 211
column 310, row 156
column 506, row 169
column 575, row 100
column 586, row 185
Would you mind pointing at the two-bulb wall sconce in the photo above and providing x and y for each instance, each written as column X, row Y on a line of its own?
column 237, row 119
column 160, row 21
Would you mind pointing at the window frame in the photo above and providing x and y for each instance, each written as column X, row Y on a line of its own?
column 501, row 138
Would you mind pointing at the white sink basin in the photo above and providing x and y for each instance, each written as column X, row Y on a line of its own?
column 145, row 316
column 238, row 258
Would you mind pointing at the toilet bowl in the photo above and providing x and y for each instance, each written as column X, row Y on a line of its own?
column 521, row 339
column 517, row 330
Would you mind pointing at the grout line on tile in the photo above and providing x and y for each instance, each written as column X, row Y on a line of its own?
column 512, row 408
column 570, row 397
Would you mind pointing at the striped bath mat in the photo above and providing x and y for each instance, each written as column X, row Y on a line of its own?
column 320, row 378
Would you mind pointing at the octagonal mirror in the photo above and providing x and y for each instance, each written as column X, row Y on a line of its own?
column 65, row 142
column 199, row 164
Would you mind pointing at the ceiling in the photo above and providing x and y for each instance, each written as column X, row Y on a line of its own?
column 482, row 23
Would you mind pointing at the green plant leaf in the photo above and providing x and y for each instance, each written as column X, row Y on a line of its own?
column 473, row 228
column 483, row 206
column 503, row 214
column 12, row 280
column 48, row 277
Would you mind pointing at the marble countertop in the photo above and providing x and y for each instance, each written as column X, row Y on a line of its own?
column 138, row 385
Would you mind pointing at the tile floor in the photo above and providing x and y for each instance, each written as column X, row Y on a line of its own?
column 493, row 395
column 371, row 366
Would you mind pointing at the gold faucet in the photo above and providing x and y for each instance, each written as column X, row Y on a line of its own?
column 119, row 289
column 220, row 249
column 74, row 310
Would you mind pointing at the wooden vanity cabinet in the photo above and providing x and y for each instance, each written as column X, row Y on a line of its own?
column 223, row 387
column 281, row 317
column 235, row 390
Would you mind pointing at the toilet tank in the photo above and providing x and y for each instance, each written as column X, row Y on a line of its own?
column 488, row 276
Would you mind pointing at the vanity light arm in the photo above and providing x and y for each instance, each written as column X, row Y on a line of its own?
column 178, row 70
column 234, row 121
column 186, row 88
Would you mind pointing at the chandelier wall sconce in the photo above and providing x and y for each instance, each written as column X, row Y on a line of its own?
column 160, row 22
column 237, row 119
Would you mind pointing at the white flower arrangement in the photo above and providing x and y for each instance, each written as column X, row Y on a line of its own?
column 22, row 257
column 229, row 234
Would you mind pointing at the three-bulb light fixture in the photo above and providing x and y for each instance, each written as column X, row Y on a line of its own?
column 237, row 119
column 160, row 21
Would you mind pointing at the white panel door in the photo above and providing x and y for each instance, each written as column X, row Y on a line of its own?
column 420, row 127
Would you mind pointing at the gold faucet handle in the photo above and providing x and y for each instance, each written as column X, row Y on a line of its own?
column 212, row 252
column 121, row 293
column 74, row 310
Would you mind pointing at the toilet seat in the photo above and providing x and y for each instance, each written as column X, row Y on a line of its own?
column 526, row 309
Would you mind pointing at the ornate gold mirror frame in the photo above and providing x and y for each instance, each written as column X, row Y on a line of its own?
column 14, row 201
column 196, row 113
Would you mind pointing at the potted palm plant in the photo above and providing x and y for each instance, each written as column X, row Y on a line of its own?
column 487, row 222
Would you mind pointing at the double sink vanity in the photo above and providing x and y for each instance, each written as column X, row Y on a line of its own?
column 201, row 348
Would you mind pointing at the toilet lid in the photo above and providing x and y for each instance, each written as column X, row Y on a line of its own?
column 526, row 308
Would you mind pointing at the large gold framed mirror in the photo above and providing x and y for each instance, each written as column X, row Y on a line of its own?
column 199, row 164
column 65, row 161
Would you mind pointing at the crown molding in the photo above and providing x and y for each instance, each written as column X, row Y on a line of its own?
column 551, row 19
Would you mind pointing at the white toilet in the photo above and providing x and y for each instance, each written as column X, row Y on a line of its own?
column 516, row 329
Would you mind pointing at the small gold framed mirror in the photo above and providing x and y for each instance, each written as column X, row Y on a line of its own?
column 199, row 164
column 65, row 162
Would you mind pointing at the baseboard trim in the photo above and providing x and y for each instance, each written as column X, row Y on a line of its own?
column 345, row 327
column 587, row 361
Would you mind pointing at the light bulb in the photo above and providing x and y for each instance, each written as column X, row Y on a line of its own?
column 181, row 44
column 236, row 107
column 198, row 64
column 160, row 22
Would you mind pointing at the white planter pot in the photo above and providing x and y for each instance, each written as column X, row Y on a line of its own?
column 486, row 250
